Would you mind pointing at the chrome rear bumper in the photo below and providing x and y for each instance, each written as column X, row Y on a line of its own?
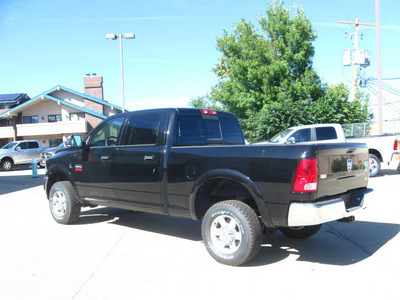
column 304, row 214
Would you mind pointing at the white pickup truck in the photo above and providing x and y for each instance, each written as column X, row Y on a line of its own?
column 381, row 148
column 19, row 153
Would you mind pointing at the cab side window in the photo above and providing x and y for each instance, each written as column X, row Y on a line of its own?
column 106, row 135
column 326, row 133
column 142, row 130
column 22, row 145
column 33, row 145
column 302, row 135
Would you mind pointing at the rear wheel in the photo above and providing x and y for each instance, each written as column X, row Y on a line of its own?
column 302, row 232
column 63, row 201
column 374, row 165
column 232, row 232
column 6, row 164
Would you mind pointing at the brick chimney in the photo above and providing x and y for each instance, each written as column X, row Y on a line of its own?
column 93, row 85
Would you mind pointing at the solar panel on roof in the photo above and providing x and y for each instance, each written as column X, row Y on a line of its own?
column 10, row 97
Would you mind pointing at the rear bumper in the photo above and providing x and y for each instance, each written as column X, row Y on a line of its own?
column 304, row 214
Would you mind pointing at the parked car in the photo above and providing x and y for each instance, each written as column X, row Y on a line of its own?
column 381, row 148
column 194, row 163
column 19, row 152
column 49, row 152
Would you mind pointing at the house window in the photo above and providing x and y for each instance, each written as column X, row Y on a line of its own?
column 30, row 119
column 54, row 118
column 55, row 142
column 74, row 117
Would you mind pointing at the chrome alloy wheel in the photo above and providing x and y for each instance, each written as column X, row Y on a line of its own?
column 7, row 165
column 373, row 167
column 58, row 203
column 226, row 234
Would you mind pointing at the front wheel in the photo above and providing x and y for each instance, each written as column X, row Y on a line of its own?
column 374, row 165
column 302, row 232
column 232, row 232
column 6, row 164
column 63, row 201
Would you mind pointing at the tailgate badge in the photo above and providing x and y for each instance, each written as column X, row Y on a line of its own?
column 349, row 165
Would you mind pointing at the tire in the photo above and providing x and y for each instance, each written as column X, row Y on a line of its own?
column 6, row 164
column 63, row 201
column 300, row 232
column 374, row 165
column 232, row 232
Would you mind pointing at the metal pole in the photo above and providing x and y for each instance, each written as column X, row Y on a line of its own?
column 355, row 75
column 122, row 72
column 378, row 55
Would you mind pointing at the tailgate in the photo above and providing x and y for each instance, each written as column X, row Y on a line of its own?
column 342, row 167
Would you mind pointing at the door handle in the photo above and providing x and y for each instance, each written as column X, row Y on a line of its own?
column 105, row 157
column 149, row 157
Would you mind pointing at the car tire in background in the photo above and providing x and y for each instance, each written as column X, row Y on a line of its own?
column 6, row 164
column 374, row 165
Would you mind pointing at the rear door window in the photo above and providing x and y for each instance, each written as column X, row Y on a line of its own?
column 208, row 129
column 326, row 133
column 33, row 145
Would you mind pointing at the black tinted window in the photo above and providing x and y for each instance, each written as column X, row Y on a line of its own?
column 204, row 130
column 33, row 145
column 231, row 131
column 142, row 130
column 326, row 133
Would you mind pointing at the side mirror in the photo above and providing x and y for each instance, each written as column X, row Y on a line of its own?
column 291, row 140
column 17, row 148
column 73, row 141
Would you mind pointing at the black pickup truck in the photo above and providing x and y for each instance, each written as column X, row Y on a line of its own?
column 194, row 163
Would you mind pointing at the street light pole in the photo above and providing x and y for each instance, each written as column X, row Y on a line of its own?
column 111, row 37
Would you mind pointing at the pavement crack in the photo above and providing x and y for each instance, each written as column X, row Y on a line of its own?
column 100, row 264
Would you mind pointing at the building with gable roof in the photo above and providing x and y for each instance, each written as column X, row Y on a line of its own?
column 57, row 113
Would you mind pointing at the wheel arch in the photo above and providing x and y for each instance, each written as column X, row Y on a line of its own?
column 224, row 184
column 377, row 153
column 7, row 157
column 55, row 175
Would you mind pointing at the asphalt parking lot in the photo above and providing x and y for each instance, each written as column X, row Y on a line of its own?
column 116, row 254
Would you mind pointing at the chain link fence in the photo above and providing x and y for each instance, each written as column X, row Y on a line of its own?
column 371, row 128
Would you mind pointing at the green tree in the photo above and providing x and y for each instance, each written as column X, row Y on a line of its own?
column 205, row 102
column 335, row 107
column 266, row 77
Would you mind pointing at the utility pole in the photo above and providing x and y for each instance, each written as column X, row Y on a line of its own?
column 378, row 55
column 356, row 48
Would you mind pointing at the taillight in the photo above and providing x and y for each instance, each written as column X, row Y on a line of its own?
column 306, row 176
column 396, row 145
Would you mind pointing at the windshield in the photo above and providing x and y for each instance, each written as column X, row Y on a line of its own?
column 277, row 138
column 9, row 145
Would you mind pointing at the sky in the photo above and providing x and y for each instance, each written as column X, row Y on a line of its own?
column 45, row 43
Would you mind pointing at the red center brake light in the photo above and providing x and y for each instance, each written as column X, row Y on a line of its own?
column 306, row 176
column 208, row 112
